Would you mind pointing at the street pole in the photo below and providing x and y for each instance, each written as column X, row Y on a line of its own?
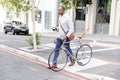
column 101, row 30
column 33, row 25
column 56, row 15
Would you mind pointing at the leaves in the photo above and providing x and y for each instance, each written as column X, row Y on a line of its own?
column 68, row 4
column 30, row 39
column 16, row 5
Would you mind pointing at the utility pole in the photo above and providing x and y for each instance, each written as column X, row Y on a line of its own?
column 33, row 25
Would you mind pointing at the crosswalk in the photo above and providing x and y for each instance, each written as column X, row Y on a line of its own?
column 93, row 64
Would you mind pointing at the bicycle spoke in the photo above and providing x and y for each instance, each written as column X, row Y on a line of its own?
column 61, row 60
column 84, row 54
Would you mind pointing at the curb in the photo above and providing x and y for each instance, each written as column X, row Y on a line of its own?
column 41, row 59
column 26, row 54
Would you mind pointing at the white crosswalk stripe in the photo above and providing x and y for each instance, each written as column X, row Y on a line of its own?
column 76, row 69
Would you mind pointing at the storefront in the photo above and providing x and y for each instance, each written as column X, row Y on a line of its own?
column 102, row 17
column 80, row 17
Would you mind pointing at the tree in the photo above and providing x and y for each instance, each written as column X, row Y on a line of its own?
column 17, row 6
column 71, row 4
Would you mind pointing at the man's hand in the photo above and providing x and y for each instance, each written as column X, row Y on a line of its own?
column 55, row 41
column 64, row 41
column 54, row 28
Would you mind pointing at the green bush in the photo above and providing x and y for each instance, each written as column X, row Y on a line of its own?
column 30, row 40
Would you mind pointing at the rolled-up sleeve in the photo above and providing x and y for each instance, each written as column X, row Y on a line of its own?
column 70, row 25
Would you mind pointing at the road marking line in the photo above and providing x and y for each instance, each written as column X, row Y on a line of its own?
column 108, row 60
column 104, row 45
column 93, row 63
column 75, row 46
column 47, row 65
column 29, row 49
column 43, row 64
column 107, row 49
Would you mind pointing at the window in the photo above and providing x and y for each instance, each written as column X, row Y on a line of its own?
column 103, row 11
column 48, row 17
column 80, row 14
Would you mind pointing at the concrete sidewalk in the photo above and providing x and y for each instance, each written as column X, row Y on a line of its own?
column 93, row 37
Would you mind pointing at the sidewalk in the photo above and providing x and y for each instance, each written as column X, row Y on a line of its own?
column 92, row 37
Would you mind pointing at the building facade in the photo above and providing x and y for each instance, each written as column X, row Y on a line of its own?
column 3, row 17
column 102, row 17
column 109, row 23
column 46, row 16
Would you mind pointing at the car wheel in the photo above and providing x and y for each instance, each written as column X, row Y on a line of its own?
column 5, row 31
column 26, row 33
column 17, row 33
column 13, row 32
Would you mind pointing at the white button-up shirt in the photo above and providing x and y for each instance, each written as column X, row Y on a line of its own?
column 66, row 23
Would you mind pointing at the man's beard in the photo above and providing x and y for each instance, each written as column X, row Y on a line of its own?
column 60, row 14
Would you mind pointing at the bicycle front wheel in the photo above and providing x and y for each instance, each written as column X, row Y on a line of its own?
column 61, row 60
column 84, row 54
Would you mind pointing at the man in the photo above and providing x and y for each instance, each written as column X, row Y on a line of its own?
column 65, row 30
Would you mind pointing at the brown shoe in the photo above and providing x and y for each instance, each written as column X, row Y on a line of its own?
column 54, row 66
column 72, row 63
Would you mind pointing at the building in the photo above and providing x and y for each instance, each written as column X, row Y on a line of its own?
column 108, row 22
column 46, row 16
column 3, row 17
column 102, row 17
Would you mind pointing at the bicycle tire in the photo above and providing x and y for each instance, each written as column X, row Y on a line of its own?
column 61, row 60
column 84, row 54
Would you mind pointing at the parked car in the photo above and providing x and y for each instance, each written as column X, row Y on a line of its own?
column 16, row 27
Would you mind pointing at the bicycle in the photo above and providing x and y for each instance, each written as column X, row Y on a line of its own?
column 83, row 56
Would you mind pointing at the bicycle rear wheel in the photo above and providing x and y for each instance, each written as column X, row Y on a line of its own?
column 61, row 60
column 84, row 54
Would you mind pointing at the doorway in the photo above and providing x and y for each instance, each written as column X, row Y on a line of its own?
column 103, row 17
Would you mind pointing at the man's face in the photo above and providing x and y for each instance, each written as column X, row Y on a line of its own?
column 61, row 11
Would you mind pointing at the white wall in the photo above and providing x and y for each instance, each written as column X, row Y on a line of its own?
column 115, row 18
column 2, row 18
column 44, row 5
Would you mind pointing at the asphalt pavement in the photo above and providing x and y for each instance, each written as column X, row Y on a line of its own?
column 105, row 64
column 16, row 68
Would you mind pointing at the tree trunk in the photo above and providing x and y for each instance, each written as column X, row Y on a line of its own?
column 33, row 25
column 74, row 13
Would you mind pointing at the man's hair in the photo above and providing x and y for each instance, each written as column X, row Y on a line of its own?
column 63, row 7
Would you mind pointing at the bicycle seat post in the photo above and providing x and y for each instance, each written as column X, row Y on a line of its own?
column 79, row 40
